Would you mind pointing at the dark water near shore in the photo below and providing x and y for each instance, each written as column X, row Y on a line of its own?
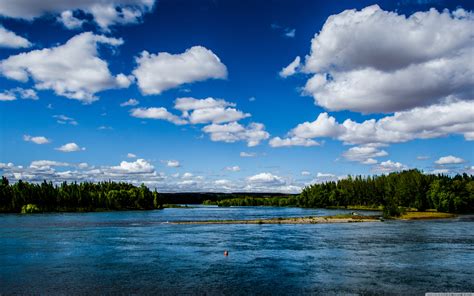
column 139, row 253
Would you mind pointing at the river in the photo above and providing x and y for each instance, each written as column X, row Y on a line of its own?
column 139, row 252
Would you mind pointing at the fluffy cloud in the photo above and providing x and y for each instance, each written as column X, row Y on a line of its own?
column 208, row 110
column 232, row 132
column 364, row 154
column 130, row 102
column 7, row 96
column 157, row 113
column 173, row 163
column 389, row 166
column 47, row 164
column 69, row 21
column 265, row 178
column 419, row 123
column 216, row 115
column 234, row 168
column 323, row 126
column 11, row 40
column 188, row 104
column 104, row 12
column 301, row 135
column 187, row 175
column 325, row 177
column 73, row 70
column 37, row 140
column 131, row 155
column 446, row 160
column 293, row 141
column 430, row 60
column 291, row 68
column 12, row 94
column 70, row 147
column 223, row 118
column 139, row 166
column 156, row 73
column 268, row 182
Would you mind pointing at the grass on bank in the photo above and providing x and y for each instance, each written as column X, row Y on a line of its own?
column 413, row 215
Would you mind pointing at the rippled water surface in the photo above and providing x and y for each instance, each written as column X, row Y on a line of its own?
column 139, row 252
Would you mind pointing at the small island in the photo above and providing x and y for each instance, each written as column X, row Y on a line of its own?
column 343, row 218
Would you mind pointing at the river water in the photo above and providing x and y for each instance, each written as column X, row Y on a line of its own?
column 138, row 252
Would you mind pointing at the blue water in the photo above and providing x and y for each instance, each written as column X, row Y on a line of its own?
column 139, row 253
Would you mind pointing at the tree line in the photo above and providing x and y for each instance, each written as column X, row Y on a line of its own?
column 71, row 197
column 213, row 198
column 392, row 193
column 410, row 189
column 254, row 201
column 407, row 189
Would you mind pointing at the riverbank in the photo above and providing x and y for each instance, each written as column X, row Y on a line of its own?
column 345, row 218
column 425, row 215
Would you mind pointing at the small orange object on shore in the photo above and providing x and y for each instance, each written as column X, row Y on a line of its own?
column 226, row 253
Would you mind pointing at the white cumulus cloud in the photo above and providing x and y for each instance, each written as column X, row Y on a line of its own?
column 13, row 94
column 105, row 13
column 450, row 159
column 293, row 141
column 138, row 166
column 291, row 68
column 430, row 60
column 389, row 166
column 73, row 70
column 364, row 154
column 208, row 110
column 157, row 113
column 173, row 163
column 37, row 140
column 130, row 102
column 232, row 132
column 265, row 178
column 70, row 147
column 11, row 40
column 68, row 19
column 419, row 123
column 156, row 73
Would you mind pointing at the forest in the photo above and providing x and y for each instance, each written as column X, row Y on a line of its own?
column 409, row 189
column 393, row 192
column 24, row 197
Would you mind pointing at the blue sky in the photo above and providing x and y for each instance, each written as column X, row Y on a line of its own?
column 382, row 87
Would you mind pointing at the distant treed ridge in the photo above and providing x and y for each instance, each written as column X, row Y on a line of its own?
column 411, row 189
column 46, row 197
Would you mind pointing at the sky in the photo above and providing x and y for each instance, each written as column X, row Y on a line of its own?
column 234, row 95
